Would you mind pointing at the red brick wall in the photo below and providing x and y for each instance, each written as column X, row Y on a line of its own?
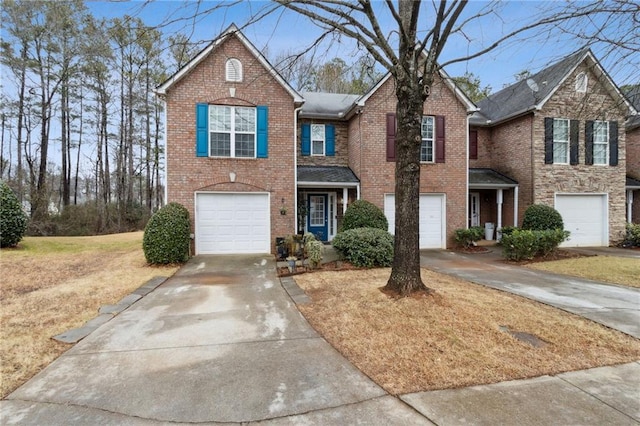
column 484, row 149
column 206, row 83
column 633, row 168
column 377, row 175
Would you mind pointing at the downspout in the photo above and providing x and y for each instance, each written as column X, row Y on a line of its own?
column 166, row 157
column 295, row 169
column 466, row 184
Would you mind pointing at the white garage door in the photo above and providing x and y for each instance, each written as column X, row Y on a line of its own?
column 229, row 223
column 585, row 216
column 432, row 214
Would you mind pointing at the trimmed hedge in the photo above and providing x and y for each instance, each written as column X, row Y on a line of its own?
column 13, row 220
column 525, row 244
column 539, row 217
column 363, row 214
column 365, row 247
column 167, row 235
column 632, row 236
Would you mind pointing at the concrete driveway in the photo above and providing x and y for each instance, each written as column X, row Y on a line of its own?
column 219, row 342
column 615, row 306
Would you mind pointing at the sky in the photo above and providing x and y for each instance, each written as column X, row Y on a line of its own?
column 284, row 30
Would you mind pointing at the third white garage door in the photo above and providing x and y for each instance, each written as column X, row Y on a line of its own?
column 432, row 214
column 229, row 223
column 585, row 216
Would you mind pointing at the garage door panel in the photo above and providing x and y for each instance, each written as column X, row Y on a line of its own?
column 585, row 217
column 431, row 218
column 232, row 223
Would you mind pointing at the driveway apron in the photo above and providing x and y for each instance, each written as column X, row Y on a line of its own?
column 220, row 341
column 615, row 306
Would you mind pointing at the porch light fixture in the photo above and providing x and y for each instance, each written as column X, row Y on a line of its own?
column 232, row 176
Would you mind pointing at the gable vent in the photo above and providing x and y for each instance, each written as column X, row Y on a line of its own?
column 234, row 70
column 581, row 83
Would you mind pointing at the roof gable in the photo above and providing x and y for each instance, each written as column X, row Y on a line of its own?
column 204, row 53
column 534, row 92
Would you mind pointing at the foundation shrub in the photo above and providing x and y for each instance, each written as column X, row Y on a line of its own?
column 13, row 220
column 363, row 214
column 540, row 217
column 365, row 247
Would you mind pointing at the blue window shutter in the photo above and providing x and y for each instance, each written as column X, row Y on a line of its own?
column 330, row 140
column 306, row 139
column 202, row 125
column 262, row 133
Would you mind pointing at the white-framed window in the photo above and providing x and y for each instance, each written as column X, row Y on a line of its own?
column 581, row 82
column 233, row 70
column 318, row 139
column 600, row 142
column 232, row 131
column 560, row 141
column 427, row 148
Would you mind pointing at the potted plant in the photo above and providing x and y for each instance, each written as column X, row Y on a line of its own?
column 291, row 263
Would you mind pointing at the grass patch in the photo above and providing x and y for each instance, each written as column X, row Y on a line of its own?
column 451, row 338
column 52, row 284
column 608, row 269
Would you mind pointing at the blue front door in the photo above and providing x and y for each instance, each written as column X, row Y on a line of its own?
column 317, row 219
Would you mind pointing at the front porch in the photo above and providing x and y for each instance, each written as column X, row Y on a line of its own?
column 323, row 194
column 493, row 200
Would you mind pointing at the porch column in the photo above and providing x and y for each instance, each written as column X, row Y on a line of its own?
column 499, row 201
column 345, row 199
column 629, row 205
column 515, row 206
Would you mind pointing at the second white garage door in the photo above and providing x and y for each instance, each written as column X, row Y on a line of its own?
column 432, row 214
column 228, row 223
column 585, row 216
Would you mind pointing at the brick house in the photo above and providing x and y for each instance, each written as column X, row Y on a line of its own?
column 560, row 136
column 253, row 159
column 246, row 152
column 633, row 159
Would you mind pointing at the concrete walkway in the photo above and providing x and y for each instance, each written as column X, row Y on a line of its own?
column 615, row 306
column 222, row 342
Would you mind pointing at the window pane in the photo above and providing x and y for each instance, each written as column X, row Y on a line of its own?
column 219, row 119
column 426, row 151
column 245, row 146
column 317, row 131
column 245, row 119
column 220, row 144
column 317, row 147
column 600, row 132
column 560, row 130
column 560, row 152
column 427, row 127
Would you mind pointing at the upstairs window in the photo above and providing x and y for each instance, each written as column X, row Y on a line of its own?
column 428, row 132
column 600, row 142
column 581, row 83
column 232, row 131
column 560, row 141
column 318, row 139
column 233, row 70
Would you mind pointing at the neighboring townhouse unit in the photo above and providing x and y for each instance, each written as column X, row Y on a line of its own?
column 560, row 135
column 633, row 158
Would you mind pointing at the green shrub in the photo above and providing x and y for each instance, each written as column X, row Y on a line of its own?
column 363, row 214
column 525, row 244
column 365, row 247
column 13, row 220
column 466, row 237
column 520, row 245
column 539, row 217
column 315, row 251
column 166, row 237
column 632, row 236
column 507, row 230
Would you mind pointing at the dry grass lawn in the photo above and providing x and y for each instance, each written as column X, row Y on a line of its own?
column 52, row 284
column 453, row 338
column 608, row 269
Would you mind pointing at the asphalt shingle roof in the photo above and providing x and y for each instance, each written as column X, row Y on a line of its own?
column 329, row 105
column 489, row 177
column 632, row 183
column 328, row 174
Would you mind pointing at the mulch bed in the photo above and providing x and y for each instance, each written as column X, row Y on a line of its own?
column 338, row 265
